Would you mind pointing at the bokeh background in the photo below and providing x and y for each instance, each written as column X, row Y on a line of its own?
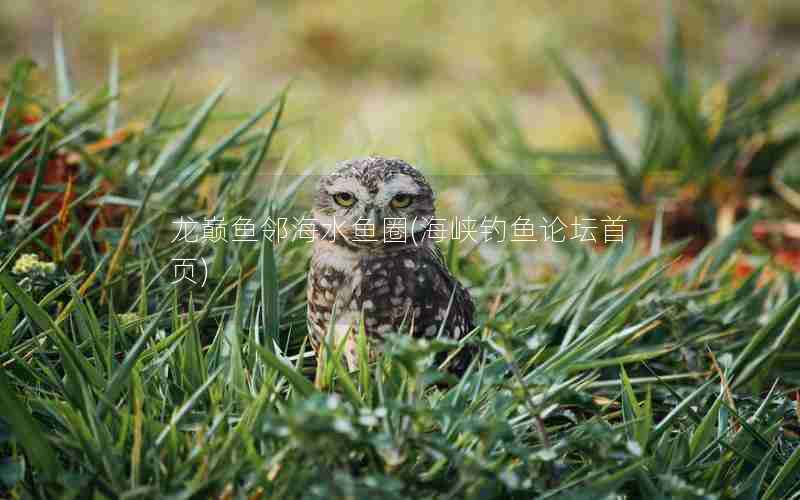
column 399, row 78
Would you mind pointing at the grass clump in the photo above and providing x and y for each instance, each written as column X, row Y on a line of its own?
column 708, row 151
column 621, row 377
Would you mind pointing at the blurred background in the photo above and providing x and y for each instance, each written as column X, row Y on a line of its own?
column 400, row 78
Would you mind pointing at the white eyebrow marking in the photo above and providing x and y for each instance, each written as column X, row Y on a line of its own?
column 399, row 183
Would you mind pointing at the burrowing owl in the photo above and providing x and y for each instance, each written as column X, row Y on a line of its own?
column 380, row 260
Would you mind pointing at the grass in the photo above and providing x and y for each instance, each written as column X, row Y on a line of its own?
column 364, row 84
column 707, row 153
column 623, row 376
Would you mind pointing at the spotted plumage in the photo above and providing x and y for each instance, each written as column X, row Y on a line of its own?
column 398, row 285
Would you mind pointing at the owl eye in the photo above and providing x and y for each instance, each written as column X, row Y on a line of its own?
column 344, row 199
column 401, row 201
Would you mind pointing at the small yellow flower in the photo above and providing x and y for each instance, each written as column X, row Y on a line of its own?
column 30, row 264
column 127, row 318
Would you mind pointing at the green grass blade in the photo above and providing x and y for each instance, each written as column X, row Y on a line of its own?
column 625, row 171
column 27, row 430
column 789, row 471
column 270, row 310
column 74, row 360
column 186, row 407
column 63, row 79
column 172, row 155
column 754, row 483
column 113, row 91
column 38, row 173
column 298, row 381
column 20, row 72
column 787, row 315
column 120, row 377
column 263, row 147
column 233, row 335
column 664, row 424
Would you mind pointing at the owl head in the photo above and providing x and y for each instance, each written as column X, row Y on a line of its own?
column 364, row 194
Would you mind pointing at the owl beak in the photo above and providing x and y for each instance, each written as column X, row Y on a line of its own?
column 374, row 216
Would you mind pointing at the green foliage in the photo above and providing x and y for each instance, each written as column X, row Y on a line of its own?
column 116, row 382
column 722, row 141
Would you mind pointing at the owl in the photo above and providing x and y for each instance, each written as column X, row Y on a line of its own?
column 373, row 256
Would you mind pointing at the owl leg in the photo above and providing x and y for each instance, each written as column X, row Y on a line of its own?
column 319, row 351
column 341, row 338
column 351, row 352
column 350, row 356
column 320, row 368
column 344, row 331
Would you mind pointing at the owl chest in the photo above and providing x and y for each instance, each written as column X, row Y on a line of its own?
column 369, row 284
column 331, row 287
column 385, row 289
column 389, row 289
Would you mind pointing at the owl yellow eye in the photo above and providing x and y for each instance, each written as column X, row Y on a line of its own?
column 344, row 199
column 401, row 201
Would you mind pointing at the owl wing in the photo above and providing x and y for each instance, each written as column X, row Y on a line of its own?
column 443, row 285
column 461, row 318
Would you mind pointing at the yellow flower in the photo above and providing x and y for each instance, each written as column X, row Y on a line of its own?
column 127, row 318
column 29, row 263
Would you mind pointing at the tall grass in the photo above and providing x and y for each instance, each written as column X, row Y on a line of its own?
column 625, row 376
column 712, row 146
